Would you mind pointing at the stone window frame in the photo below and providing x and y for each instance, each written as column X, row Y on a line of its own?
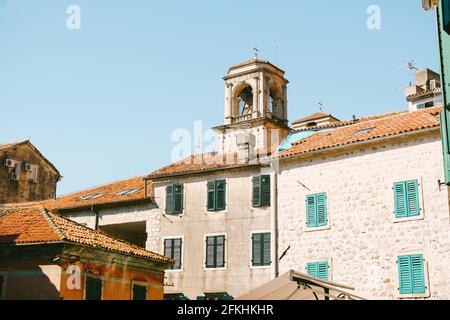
column 427, row 293
column 307, row 229
column 4, row 285
column 250, row 264
column 182, row 252
column 421, row 216
column 321, row 259
column 225, row 248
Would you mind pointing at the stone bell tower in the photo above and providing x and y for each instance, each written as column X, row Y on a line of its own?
column 255, row 105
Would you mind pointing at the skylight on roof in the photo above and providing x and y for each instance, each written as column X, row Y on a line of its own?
column 363, row 130
column 91, row 196
column 127, row 192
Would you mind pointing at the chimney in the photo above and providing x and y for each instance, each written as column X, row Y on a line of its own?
column 425, row 92
column 245, row 147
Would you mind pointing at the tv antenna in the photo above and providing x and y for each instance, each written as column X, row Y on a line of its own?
column 410, row 64
column 320, row 106
column 255, row 51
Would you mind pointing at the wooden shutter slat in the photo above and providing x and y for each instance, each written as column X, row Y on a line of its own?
column 417, row 274
column 400, row 200
column 177, row 198
column 211, row 202
column 311, row 211
column 265, row 190
column 256, row 191
column 321, row 210
column 169, row 199
column 220, row 195
column 256, row 249
column 412, row 198
column 266, row 250
column 404, row 271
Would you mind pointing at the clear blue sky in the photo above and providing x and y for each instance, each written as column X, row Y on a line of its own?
column 101, row 102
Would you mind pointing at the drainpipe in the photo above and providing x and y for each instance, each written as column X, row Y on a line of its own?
column 96, row 218
column 274, row 221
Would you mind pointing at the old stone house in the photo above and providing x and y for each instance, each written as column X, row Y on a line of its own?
column 25, row 174
column 317, row 198
column 44, row 256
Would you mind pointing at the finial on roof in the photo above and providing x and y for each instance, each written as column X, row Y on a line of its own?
column 255, row 52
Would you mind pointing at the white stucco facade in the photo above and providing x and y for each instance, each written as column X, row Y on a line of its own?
column 363, row 239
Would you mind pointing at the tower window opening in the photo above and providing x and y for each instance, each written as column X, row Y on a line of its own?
column 245, row 101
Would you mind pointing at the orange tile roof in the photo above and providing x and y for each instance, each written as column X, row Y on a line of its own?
column 34, row 224
column 108, row 192
column 382, row 126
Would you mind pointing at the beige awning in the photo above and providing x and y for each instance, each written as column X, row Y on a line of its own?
column 299, row 286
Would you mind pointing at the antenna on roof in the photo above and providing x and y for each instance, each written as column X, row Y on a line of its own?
column 320, row 106
column 410, row 64
column 255, row 51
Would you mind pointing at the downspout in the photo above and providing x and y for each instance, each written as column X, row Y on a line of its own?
column 274, row 220
column 96, row 217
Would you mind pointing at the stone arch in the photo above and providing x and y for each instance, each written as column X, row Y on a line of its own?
column 276, row 100
column 243, row 99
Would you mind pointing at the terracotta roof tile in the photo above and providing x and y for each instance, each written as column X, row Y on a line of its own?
column 107, row 194
column 21, row 225
column 380, row 126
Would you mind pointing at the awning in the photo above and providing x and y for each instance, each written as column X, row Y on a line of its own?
column 299, row 286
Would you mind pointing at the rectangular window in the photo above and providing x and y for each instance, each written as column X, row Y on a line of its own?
column 215, row 252
column 406, row 199
column 173, row 249
column 261, row 249
column 261, row 191
column 318, row 270
column 174, row 199
column 139, row 291
column 216, row 194
column 316, row 210
column 411, row 274
column 93, row 290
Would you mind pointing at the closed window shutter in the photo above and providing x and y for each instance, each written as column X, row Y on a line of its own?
column 311, row 211
column 401, row 210
column 412, row 189
column 210, row 252
column 220, row 195
column 168, row 248
column 404, row 274
column 220, row 252
column 139, row 292
column 93, row 288
column 417, row 274
column 177, row 254
column 312, row 270
column 211, row 202
column 265, row 190
column 177, row 198
column 321, row 201
column 322, row 270
column 256, row 248
column 169, row 199
column 256, row 191
column 266, row 250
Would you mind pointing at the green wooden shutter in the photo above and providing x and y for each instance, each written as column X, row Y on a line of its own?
column 400, row 206
column 412, row 197
column 169, row 199
column 220, row 195
column 220, row 251
column 312, row 269
column 139, row 292
column 266, row 250
column 311, row 211
column 177, row 245
column 404, row 275
column 93, row 288
column 265, row 190
column 322, row 270
column 211, row 202
column 256, row 191
column 177, row 198
column 321, row 210
column 256, row 249
column 418, row 274
column 210, row 252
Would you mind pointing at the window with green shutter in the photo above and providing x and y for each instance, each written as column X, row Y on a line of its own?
column 173, row 249
column 316, row 210
column 93, row 290
column 411, row 274
column 216, row 195
column 261, row 191
column 406, row 199
column 174, row 199
column 215, row 252
column 318, row 269
column 261, row 249
column 139, row 292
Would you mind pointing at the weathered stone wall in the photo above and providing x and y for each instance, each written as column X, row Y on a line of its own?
column 25, row 189
column 363, row 239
